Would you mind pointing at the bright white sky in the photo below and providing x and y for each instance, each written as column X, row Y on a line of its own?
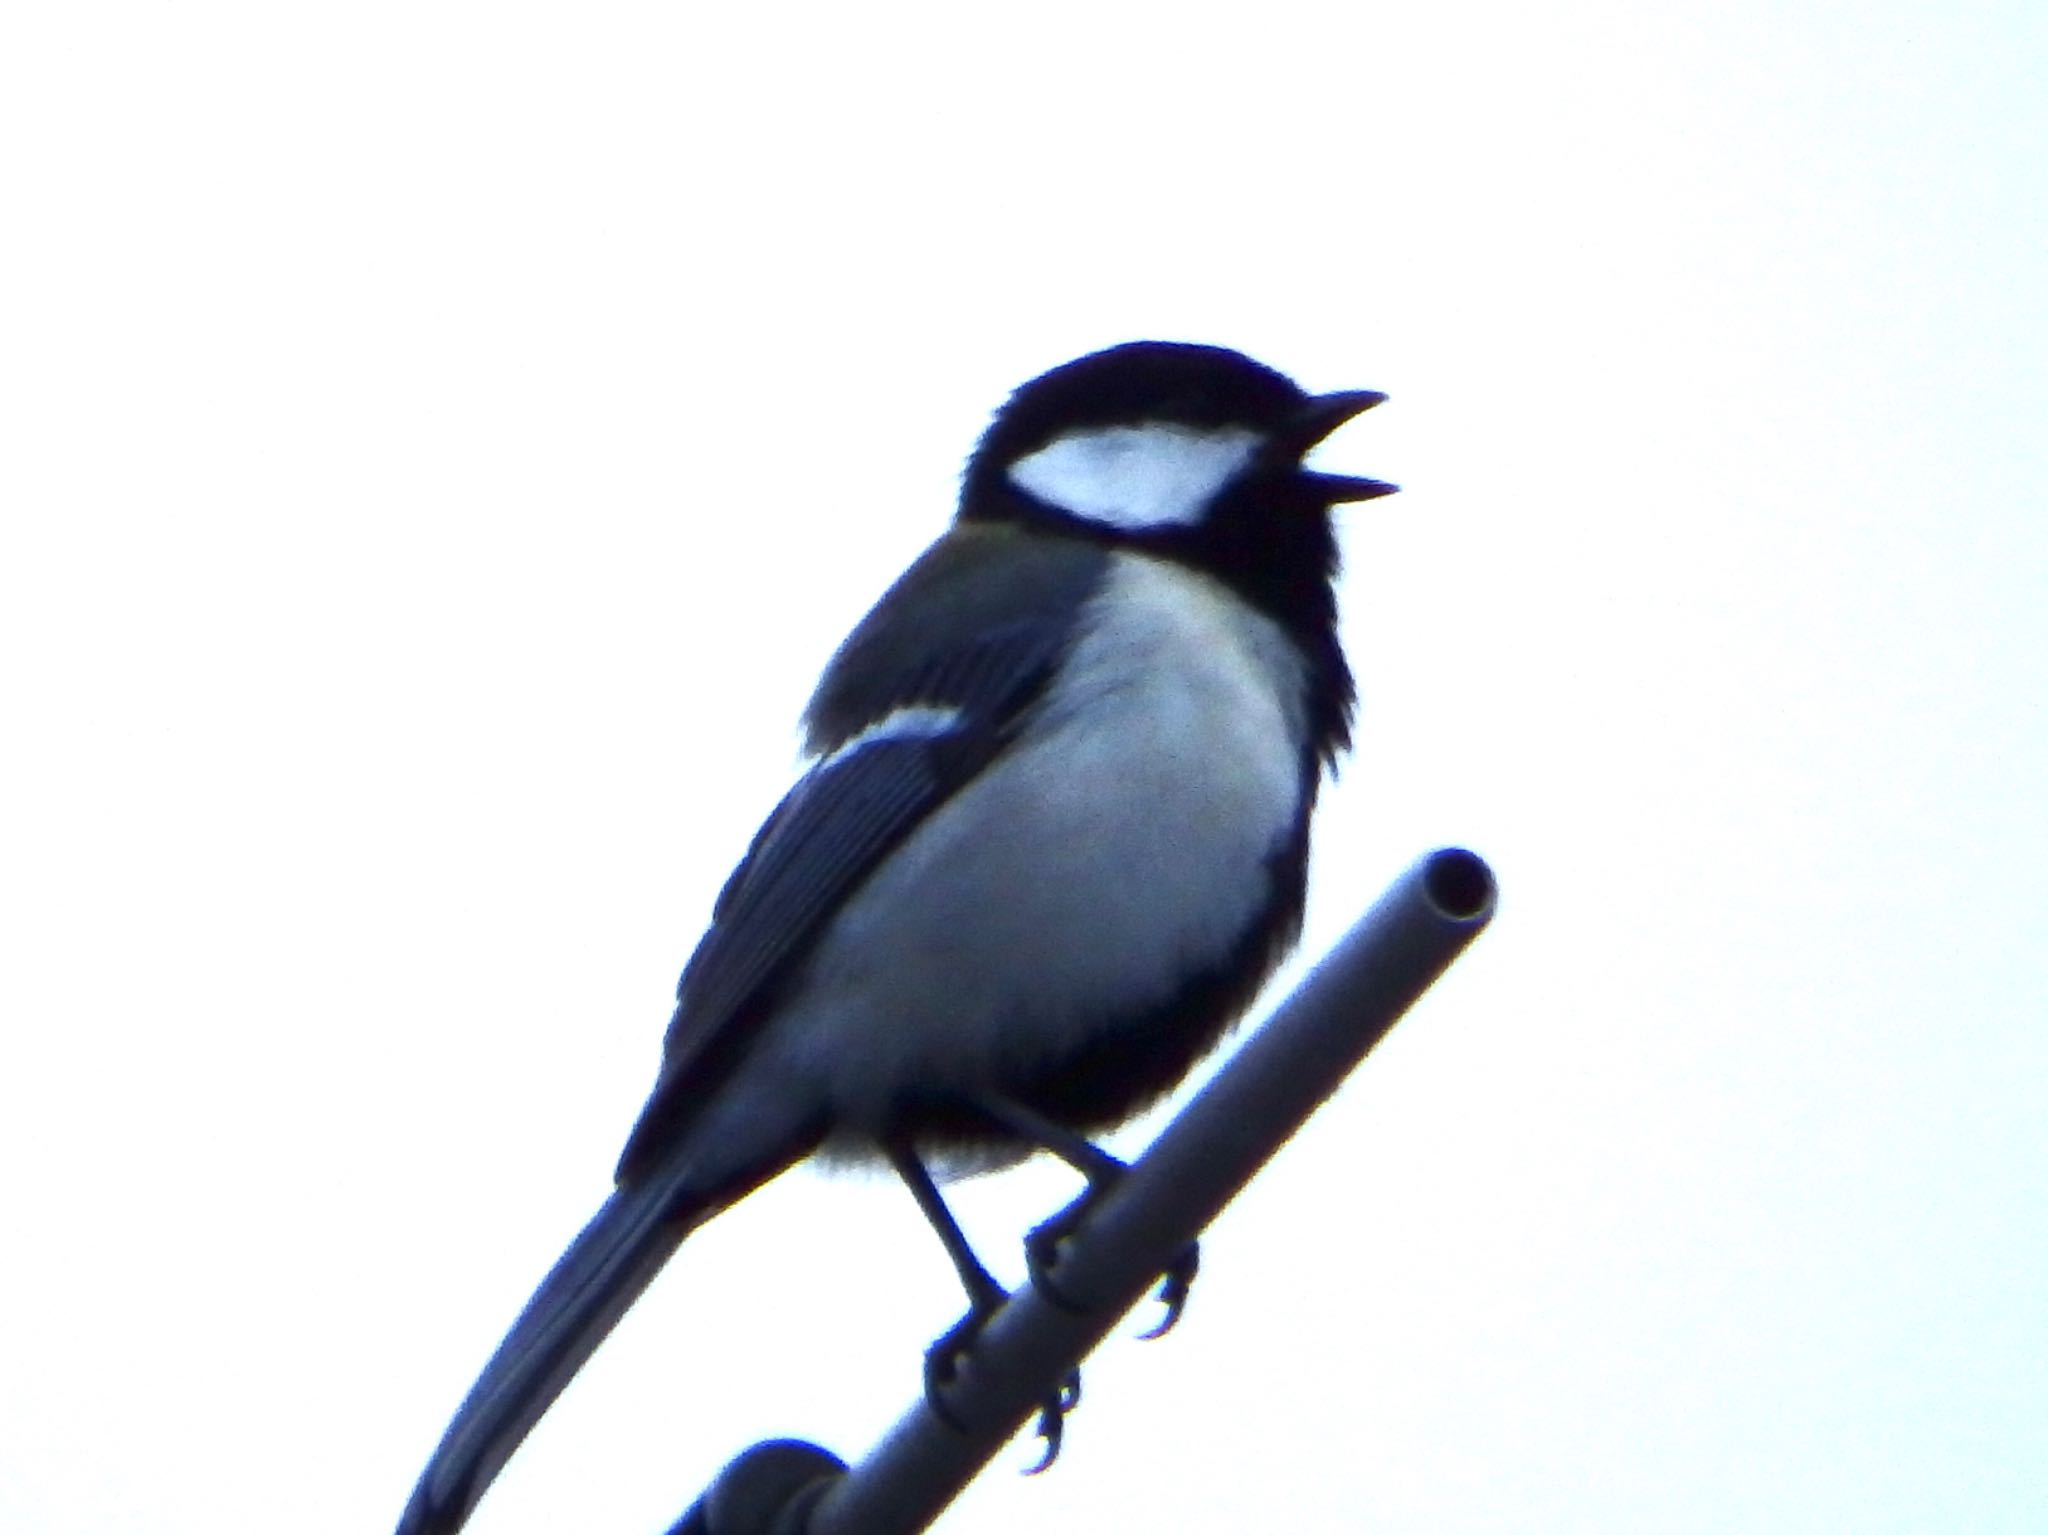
column 439, row 444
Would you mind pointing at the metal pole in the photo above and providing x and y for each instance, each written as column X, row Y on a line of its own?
column 1281, row 1074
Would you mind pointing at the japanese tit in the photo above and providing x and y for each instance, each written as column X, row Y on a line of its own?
column 1052, row 840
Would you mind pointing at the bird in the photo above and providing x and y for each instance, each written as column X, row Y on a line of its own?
column 1051, row 840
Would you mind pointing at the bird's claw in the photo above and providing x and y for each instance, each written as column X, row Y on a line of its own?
column 1041, row 1255
column 942, row 1368
column 1173, row 1288
column 1052, row 1414
column 942, row 1359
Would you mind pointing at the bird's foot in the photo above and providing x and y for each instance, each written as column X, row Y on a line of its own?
column 942, row 1363
column 1052, row 1420
column 1174, row 1285
column 943, row 1359
column 1041, row 1254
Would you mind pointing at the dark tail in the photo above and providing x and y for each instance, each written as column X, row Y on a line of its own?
column 589, row 1289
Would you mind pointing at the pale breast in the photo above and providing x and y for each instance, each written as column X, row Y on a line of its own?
column 1123, row 845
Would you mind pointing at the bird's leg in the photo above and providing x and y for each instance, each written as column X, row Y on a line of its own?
column 1041, row 1247
column 985, row 1297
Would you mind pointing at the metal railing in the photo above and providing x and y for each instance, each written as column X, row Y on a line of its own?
column 1132, row 1230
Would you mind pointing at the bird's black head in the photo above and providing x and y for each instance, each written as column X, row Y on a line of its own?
column 1192, row 451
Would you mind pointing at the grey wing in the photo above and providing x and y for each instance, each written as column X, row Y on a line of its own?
column 833, row 827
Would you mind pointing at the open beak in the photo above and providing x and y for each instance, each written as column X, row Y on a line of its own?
column 1321, row 416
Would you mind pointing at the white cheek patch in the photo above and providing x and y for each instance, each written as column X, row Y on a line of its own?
column 912, row 722
column 1137, row 477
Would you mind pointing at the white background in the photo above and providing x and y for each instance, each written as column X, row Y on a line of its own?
column 440, row 443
